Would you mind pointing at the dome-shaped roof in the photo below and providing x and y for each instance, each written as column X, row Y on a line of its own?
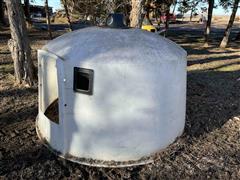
column 120, row 45
column 119, row 95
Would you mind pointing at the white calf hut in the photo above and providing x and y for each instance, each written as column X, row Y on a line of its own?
column 111, row 95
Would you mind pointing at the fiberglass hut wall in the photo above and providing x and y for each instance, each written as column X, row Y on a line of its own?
column 119, row 94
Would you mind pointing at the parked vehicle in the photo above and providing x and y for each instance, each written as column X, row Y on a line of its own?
column 171, row 18
column 179, row 16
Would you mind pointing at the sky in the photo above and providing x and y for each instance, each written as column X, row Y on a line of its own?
column 52, row 3
column 57, row 5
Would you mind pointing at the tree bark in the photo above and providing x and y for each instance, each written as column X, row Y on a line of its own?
column 27, row 13
column 110, row 6
column 158, row 14
column 183, row 16
column 48, row 19
column 137, row 15
column 174, row 7
column 230, row 24
column 19, row 44
column 191, row 15
column 148, row 7
column 67, row 14
column 209, row 22
column 167, row 21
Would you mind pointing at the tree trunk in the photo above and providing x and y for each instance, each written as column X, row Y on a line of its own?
column 209, row 21
column 230, row 24
column 174, row 7
column 110, row 6
column 167, row 21
column 158, row 17
column 19, row 44
column 191, row 15
column 183, row 16
column 67, row 14
column 27, row 13
column 148, row 11
column 148, row 17
column 137, row 15
column 48, row 19
column 2, row 20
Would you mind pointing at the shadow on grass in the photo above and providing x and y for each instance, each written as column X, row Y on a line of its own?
column 13, row 116
column 213, row 59
column 189, row 36
column 6, row 67
column 18, row 92
column 212, row 95
column 15, row 109
column 212, row 99
column 5, row 35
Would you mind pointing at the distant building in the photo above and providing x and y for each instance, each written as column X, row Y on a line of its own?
column 39, row 11
column 35, row 11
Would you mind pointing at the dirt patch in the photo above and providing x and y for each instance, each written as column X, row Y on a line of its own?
column 208, row 149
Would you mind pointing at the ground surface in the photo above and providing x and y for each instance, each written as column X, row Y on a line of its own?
column 209, row 147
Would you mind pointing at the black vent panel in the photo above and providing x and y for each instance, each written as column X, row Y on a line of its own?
column 83, row 80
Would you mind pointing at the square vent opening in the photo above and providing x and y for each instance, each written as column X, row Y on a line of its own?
column 83, row 80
